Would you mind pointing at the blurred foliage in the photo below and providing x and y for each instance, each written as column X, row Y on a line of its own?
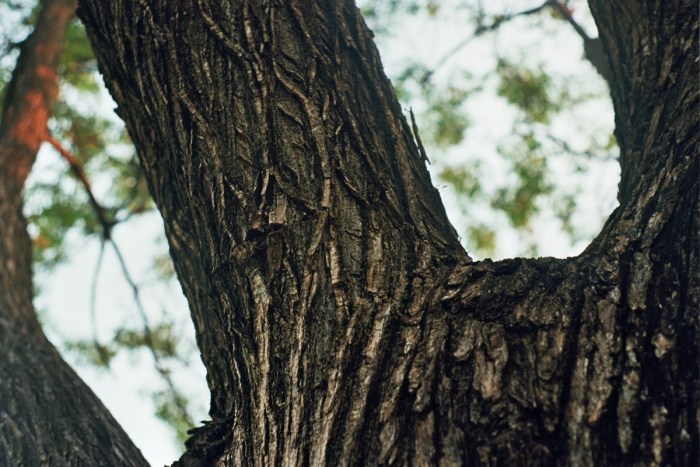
column 58, row 211
column 462, row 179
column 171, row 403
column 537, row 98
column 518, row 200
column 103, row 149
column 161, row 338
column 168, row 409
column 381, row 13
column 445, row 117
column 78, row 64
column 483, row 238
column 163, row 267
column 93, row 353
column 527, row 89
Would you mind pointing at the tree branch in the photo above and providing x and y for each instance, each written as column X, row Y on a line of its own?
column 592, row 47
column 481, row 29
column 82, row 177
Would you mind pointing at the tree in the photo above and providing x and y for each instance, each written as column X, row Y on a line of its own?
column 338, row 316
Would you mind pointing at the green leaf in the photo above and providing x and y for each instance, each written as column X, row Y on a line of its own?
column 169, row 409
column 529, row 90
column 50, row 220
column 92, row 353
column 447, row 118
column 519, row 200
column 462, row 180
column 482, row 239
column 163, row 339
column 78, row 64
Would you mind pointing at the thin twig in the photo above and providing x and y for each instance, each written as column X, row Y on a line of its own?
column 148, row 335
column 587, row 153
column 592, row 47
column 80, row 175
column 481, row 29
column 93, row 299
column 562, row 10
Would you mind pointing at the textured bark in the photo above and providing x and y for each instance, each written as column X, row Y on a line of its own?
column 338, row 317
column 48, row 416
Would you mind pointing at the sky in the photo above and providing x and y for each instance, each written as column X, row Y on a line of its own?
column 64, row 301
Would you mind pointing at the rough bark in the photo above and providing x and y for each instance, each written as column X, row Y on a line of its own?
column 48, row 416
column 338, row 317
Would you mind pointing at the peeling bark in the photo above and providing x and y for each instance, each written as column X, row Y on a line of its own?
column 338, row 317
column 48, row 416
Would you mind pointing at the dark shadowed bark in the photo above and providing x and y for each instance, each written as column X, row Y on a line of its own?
column 48, row 416
column 338, row 317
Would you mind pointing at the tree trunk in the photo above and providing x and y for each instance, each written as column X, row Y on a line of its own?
column 48, row 416
column 339, row 319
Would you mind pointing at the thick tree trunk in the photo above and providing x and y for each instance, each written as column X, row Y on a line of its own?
column 48, row 416
column 338, row 317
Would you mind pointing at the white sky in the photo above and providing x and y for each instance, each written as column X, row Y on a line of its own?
column 66, row 292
